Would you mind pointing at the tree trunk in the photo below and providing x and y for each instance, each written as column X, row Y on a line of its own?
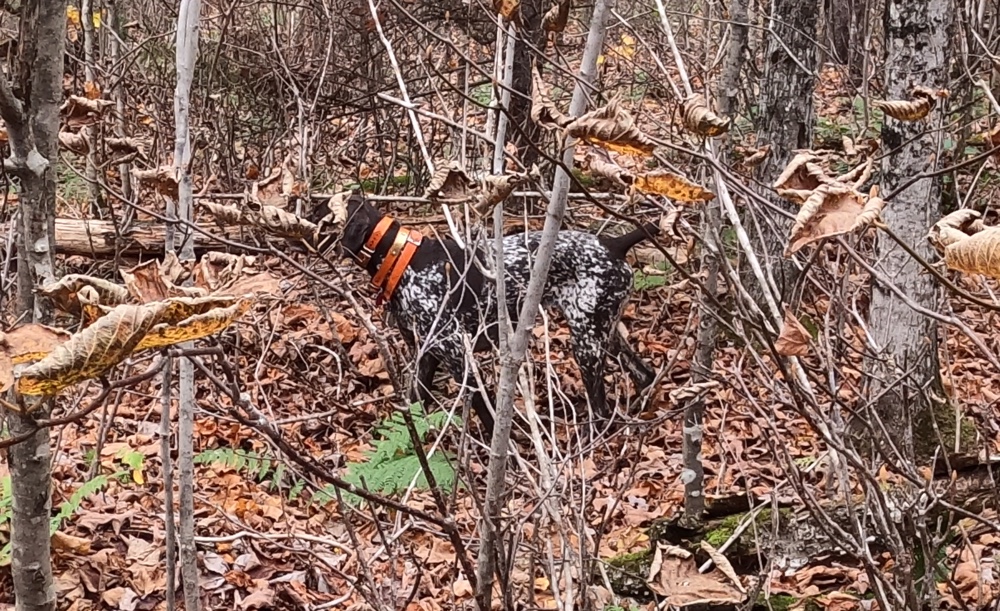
column 524, row 133
column 917, row 35
column 786, row 119
column 33, row 127
column 511, row 361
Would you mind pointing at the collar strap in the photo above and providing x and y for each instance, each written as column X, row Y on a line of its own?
column 396, row 261
column 369, row 248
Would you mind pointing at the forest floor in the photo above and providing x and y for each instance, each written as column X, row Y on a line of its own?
column 269, row 538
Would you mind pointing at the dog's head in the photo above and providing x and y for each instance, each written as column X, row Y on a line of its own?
column 344, row 222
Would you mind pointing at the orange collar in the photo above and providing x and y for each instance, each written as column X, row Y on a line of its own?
column 390, row 272
column 369, row 248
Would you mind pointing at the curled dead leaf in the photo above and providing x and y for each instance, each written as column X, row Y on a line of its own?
column 955, row 227
column 79, row 110
column 123, row 330
column 126, row 146
column 976, row 254
column 27, row 343
column 803, row 173
column 613, row 128
column 557, row 17
column 543, row 111
column 450, row 183
column 496, row 189
column 76, row 142
column 64, row 292
column 757, row 157
column 700, row 119
column 794, row 337
column 271, row 219
column 924, row 100
column 162, row 179
column 151, row 281
column 676, row 187
column 610, row 170
column 832, row 209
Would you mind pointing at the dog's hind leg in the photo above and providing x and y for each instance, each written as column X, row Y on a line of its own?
column 641, row 374
column 423, row 378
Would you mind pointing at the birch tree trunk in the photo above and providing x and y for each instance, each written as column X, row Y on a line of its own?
column 516, row 348
column 917, row 35
column 33, row 128
column 786, row 118
column 187, row 54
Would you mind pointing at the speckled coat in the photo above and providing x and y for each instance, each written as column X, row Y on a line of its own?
column 441, row 298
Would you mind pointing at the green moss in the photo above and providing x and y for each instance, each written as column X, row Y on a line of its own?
column 727, row 526
column 627, row 573
column 586, row 180
column 785, row 602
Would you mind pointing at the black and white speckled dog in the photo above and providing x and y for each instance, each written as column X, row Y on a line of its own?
column 439, row 297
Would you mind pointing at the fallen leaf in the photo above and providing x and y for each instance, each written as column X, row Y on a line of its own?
column 613, row 128
column 449, row 183
column 557, row 17
column 675, row 576
column 794, row 337
column 69, row 543
column 832, row 209
column 64, row 292
column 506, row 8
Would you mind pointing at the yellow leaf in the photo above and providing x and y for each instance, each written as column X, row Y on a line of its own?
column 97, row 20
column 138, row 477
column 73, row 14
column 673, row 186
column 195, row 327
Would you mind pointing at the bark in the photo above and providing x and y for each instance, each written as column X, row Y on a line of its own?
column 187, row 55
column 33, row 125
column 87, row 21
column 526, row 134
column 101, row 239
column 118, row 95
column 511, row 362
column 786, row 119
column 917, row 34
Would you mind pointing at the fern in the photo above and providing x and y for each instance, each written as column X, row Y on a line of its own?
column 66, row 509
column 392, row 465
column 250, row 463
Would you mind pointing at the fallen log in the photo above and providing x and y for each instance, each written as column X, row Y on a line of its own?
column 100, row 239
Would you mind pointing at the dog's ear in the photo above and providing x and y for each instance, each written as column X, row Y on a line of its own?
column 361, row 220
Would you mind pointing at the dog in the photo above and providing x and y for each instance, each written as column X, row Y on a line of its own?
column 435, row 295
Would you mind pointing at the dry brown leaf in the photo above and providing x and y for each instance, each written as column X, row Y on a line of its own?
column 543, row 111
column 613, row 128
column 674, row 575
column 758, row 156
column 506, row 8
column 955, row 227
column 162, row 179
column 272, row 219
column 496, row 189
column 801, row 174
column 723, row 564
column 150, row 281
column 832, row 209
column 700, row 119
column 794, row 338
column 126, row 146
column 449, row 183
column 924, row 100
column 673, row 186
column 557, row 17
column 76, row 142
column 91, row 90
column 64, row 292
column 610, row 170
column 70, row 543
column 79, row 111
column 976, row 254
column 90, row 352
column 123, row 330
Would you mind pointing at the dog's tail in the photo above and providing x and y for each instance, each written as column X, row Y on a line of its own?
column 619, row 247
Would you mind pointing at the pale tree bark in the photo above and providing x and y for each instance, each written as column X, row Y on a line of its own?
column 33, row 128
column 906, row 368
column 87, row 21
column 187, row 55
column 786, row 119
column 518, row 344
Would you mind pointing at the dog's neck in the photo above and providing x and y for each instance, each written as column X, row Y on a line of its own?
column 382, row 248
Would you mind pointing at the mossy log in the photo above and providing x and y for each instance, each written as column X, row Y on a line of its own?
column 788, row 538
